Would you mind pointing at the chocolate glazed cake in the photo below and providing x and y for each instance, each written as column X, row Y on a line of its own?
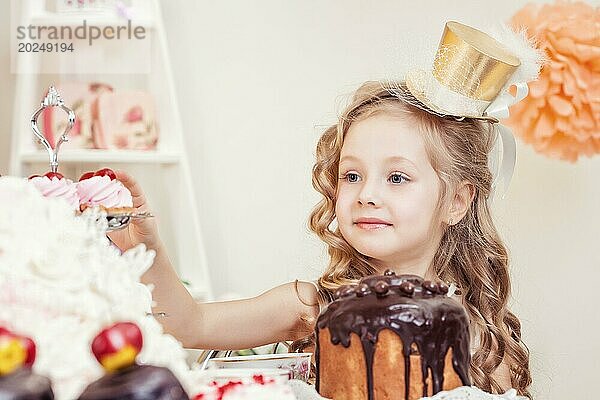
column 392, row 337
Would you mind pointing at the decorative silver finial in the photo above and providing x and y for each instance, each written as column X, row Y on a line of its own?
column 52, row 99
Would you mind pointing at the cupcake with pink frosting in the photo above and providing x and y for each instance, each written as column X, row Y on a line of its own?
column 54, row 184
column 103, row 189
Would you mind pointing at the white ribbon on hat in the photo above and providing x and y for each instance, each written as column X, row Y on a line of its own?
column 502, row 160
column 499, row 107
column 505, row 139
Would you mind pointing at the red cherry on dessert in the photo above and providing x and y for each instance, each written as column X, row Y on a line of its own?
column 85, row 176
column 106, row 172
column 51, row 175
column 29, row 346
column 15, row 352
column 117, row 346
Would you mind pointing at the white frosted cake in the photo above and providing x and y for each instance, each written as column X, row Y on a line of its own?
column 61, row 282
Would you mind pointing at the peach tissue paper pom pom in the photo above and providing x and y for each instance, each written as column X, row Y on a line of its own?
column 561, row 116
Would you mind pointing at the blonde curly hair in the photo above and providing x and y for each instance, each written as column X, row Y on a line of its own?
column 471, row 253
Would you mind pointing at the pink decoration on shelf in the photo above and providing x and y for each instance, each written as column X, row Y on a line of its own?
column 79, row 96
column 135, row 114
column 561, row 115
column 125, row 120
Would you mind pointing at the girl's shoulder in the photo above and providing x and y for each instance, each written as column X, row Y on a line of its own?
column 307, row 293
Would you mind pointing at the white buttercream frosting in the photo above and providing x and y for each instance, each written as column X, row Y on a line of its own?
column 61, row 282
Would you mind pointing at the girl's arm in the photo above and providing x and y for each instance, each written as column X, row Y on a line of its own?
column 275, row 315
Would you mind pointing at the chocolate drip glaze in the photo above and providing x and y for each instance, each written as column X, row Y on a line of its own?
column 416, row 310
column 25, row 385
column 138, row 382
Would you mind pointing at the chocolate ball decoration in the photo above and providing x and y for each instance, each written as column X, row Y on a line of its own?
column 344, row 291
column 429, row 286
column 381, row 288
column 389, row 272
column 362, row 290
column 442, row 288
column 338, row 293
column 407, row 287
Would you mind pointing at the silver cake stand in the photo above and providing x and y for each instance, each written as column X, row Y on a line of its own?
column 116, row 221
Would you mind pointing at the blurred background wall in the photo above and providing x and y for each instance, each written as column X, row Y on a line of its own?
column 256, row 83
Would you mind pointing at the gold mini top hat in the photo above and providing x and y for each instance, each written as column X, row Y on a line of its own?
column 470, row 77
column 469, row 71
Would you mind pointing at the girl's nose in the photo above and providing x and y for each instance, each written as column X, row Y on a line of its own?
column 362, row 202
column 368, row 195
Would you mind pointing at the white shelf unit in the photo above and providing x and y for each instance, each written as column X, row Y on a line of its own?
column 103, row 156
column 164, row 173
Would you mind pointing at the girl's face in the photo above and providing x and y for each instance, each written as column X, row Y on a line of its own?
column 388, row 193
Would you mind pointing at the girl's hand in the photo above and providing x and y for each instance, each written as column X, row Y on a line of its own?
column 143, row 230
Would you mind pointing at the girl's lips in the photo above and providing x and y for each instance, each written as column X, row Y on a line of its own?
column 371, row 225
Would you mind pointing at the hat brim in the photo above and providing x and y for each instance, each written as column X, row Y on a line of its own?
column 418, row 93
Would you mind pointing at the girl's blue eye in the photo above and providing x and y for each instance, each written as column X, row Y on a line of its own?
column 351, row 177
column 397, row 178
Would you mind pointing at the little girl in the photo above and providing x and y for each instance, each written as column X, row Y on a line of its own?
column 409, row 191
column 407, row 187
